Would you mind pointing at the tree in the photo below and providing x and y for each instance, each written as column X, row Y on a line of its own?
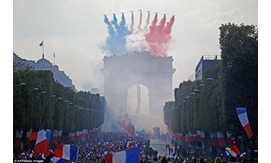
column 37, row 102
column 239, row 52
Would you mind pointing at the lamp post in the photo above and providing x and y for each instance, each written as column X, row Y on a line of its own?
column 31, row 111
column 41, row 106
column 56, row 113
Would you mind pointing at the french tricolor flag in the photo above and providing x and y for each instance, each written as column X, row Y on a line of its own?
column 59, row 135
column 66, row 152
column 242, row 114
column 129, row 156
column 42, row 142
column 18, row 138
column 55, row 136
column 233, row 150
column 221, row 140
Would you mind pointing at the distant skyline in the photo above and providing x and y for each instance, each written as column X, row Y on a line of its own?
column 74, row 30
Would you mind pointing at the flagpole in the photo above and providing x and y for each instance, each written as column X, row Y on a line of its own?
column 43, row 49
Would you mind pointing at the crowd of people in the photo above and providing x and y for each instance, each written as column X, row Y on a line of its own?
column 96, row 148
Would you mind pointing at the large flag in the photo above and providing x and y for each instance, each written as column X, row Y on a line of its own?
column 198, row 137
column 42, row 143
column 48, row 134
column 202, row 135
column 221, row 139
column 67, row 152
column 33, row 136
column 18, row 138
column 242, row 114
column 126, row 156
column 72, row 136
column 187, row 138
column 77, row 135
column 228, row 140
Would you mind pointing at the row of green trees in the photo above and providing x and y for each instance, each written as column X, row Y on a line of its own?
column 38, row 101
column 210, row 104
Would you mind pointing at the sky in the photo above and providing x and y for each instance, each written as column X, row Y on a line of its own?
column 75, row 31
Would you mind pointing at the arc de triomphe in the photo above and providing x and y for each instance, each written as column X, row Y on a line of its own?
column 121, row 72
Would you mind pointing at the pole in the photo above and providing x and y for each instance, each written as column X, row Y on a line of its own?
column 42, row 44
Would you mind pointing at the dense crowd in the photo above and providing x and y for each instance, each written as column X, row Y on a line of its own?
column 96, row 149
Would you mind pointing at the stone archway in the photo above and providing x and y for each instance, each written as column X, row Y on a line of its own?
column 120, row 72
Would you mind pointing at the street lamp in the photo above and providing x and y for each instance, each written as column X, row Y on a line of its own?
column 18, row 85
column 211, row 79
column 56, row 113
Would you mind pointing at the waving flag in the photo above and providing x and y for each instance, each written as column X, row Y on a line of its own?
column 27, row 141
column 242, row 114
column 72, row 136
column 41, row 44
column 18, row 138
column 55, row 136
column 233, row 150
column 221, row 139
column 33, row 136
column 202, row 135
column 66, row 152
column 42, row 143
column 198, row 136
column 59, row 134
column 129, row 156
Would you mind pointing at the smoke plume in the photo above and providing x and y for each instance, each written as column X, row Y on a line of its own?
column 116, row 41
column 126, row 124
column 140, row 21
column 159, row 36
column 147, row 21
column 132, row 22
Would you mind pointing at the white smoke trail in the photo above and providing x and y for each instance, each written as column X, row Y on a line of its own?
column 148, row 21
column 132, row 22
column 140, row 20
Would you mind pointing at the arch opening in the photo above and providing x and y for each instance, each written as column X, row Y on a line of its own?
column 138, row 100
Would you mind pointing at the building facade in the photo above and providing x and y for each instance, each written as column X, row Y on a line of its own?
column 206, row 63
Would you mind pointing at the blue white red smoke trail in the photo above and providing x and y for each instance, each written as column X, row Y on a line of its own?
column 156, row 40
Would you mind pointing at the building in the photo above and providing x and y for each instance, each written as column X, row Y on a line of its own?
column 20, row 64
column 42, row 64
column 169, row 106
column 206, row 63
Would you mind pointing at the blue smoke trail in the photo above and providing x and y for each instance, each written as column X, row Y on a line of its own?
column 116, row 41
column 111, row 30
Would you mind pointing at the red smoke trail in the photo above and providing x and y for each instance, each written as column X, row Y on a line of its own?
column 159, row 36
column 167, row 30
column 153, row 26
column 159, row 30
column 126, row 123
